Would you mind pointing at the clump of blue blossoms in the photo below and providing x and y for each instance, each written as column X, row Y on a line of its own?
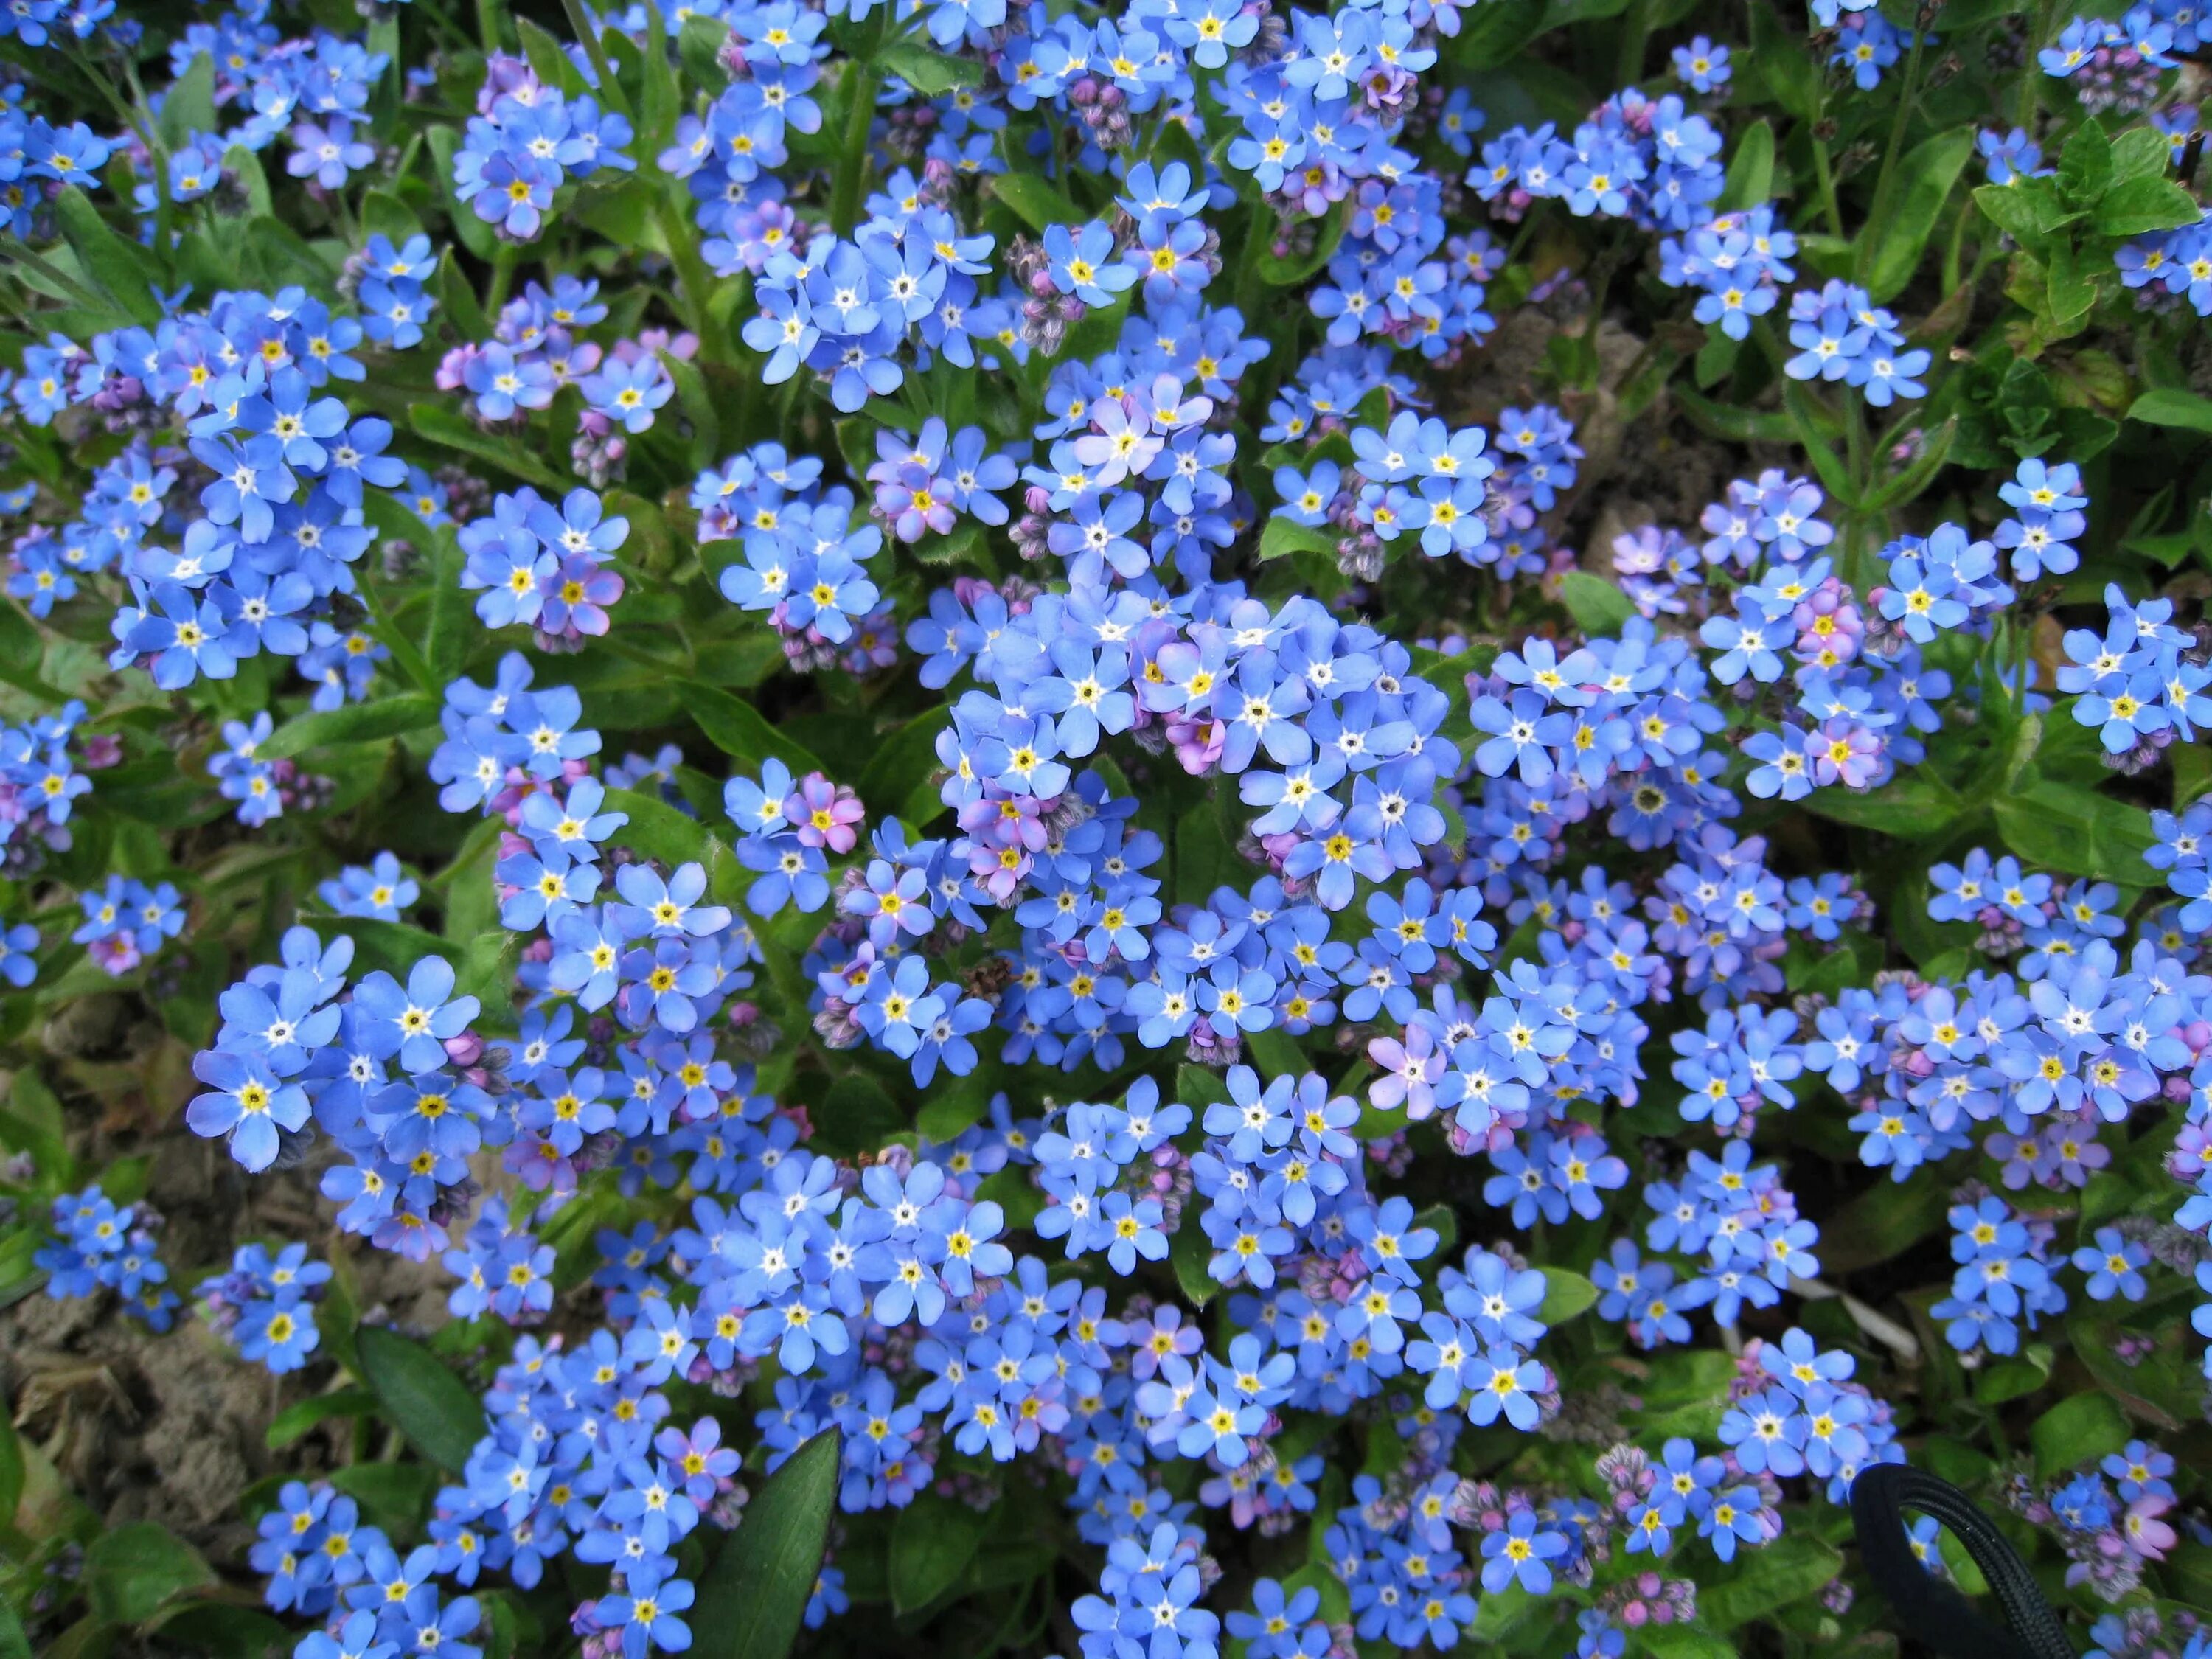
column 97, row 1244
column 1143, row 831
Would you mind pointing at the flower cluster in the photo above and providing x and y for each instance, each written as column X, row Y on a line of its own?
column 505, row 742
column 97, row 1245
column 524, row 142
column 2108, row 1520
column 2139, row 684
column 125, row 921
column 804, row 559
column 2169, row 267
column 391, row 288
column 265, row 1305
column 545, row 566
column 45, row 767
column 2003, row 1278
column 1293, row 630
column 323, row 1561
column 280, row 524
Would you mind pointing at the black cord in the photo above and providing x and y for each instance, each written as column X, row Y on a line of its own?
column 1930, row 1610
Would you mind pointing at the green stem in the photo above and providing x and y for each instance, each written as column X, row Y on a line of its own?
column 1635, row 34
column 1854, row 446
column 1825, row 176
column 504, row 258
column 489, row 19
column 1907, row 94
column 694, row 282
column 2031, row 71
column 1258, row 235
column 19, row 253
column 159, row 153
column 610, row 88
column 411, row 661
column 1769, row 343
column 454, row 33
column 853, row 162
column 1953, row 251
column 98, row 78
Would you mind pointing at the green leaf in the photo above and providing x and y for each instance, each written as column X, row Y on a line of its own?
column 1279, row 538
column 1304, row 267
column 2085, row 166
column 1914, row 480
column 463, row 309
column 302, row 1415
column 1692, row 1641
column 2079, row 1429
column 1497, row 1615
column 1794, row 1566
column 2141, row 205
column 898, row 780
column 1198, row 1088
column 392, row 1496
column 128, row 1573
column 1811, row 424
column 1597, row 605
column 22, row 648
column 11, row 1469
column 2076, row 831
column 1884, row 1221
column 932, row 73
column 2069, row 286
column 486, row 971
column 950, row 1109
column 442, row 425
column 125, row 270
column 1911, row 806
column 699, row 47
column 213, row 1629
column 933, row 1542
column 2171, row 406
column 1925, row 180
column 32, row 1122
column 2140, row 153
column 736, row 728
column 188, row 106
column 1751, row 169
column 2011, row 1378
column 1787, row 64
column 1277, row 1054
column 466, row 883
column 659, row 830
column 383, row 214
column 2028, row 208
column 754, row 1596
column 1726, row 421
column 394, row 946
column 1717, row 358
column 1035, row 200
column 476, row 234
column 855, row 1115
column 1566, row 1295
column 434, row 1409
column 1204, row 859
column 663, row 98
column 698, row 406
column 1188, row 1253
column 548, row 62
column 356, row 722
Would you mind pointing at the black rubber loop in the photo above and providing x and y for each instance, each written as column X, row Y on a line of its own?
column 1935, row 1612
